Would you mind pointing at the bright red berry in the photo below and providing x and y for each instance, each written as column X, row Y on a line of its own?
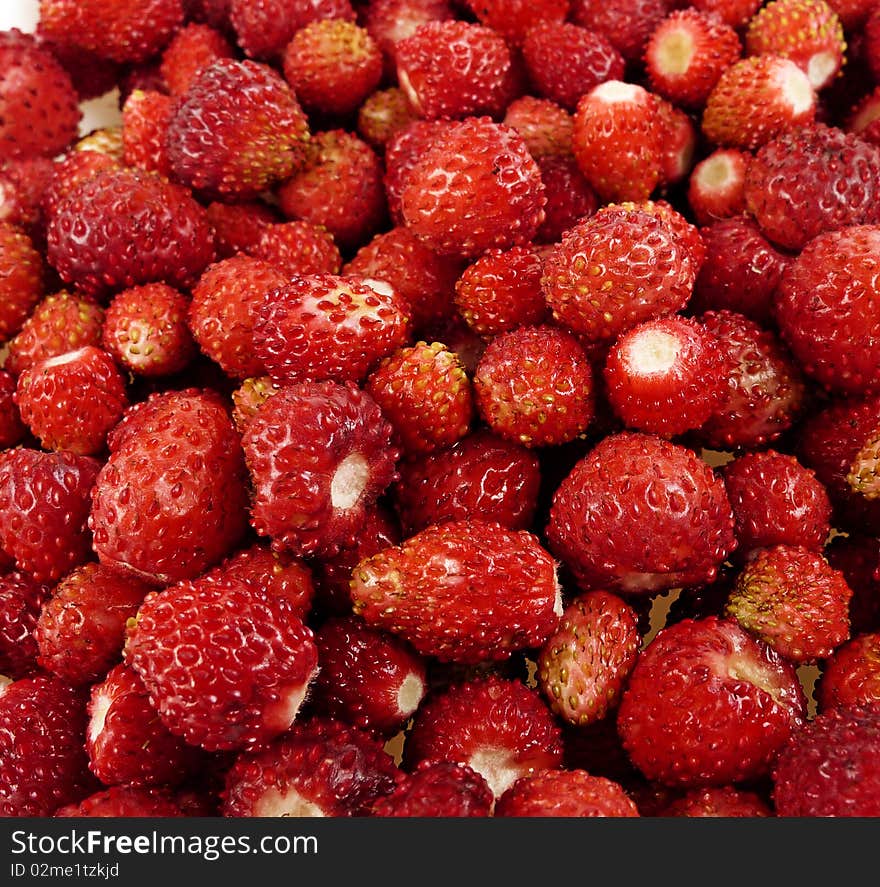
column 716, row 185
column 22, row 275
column 194, row 47
column 851, row 674
column 21, row 599
column 569, row 793
column 438, row 788
column 122, row 801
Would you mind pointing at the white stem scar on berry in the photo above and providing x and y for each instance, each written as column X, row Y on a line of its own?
column 349, row 481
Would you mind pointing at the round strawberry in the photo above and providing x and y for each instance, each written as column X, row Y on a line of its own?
column 626, row 23
column 570, row 197
column 255, row 660
column 73, row 168
column 545, row 126
column 21, row 599
column 851, row 674
column 863, row 476
column 716, row 185
column 239, row 226
column 630, row 479
column 121, row 801
column 319, row 455
column 12, row 429
column 247, row 398
column 383, row 114
column 194, row 46
column 438, row 788
column 568, row 793
column 296, row 248
column 735, row 13
column 708, row 704
column 23, row 180
column 513, row 19
column 22, row 275
column 145, row 118
column 718, row 801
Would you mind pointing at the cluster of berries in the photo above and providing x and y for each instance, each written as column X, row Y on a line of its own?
column 441, row 408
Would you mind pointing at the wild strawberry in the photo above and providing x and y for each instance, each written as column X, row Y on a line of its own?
column 133, row 32
column 569, row 197
column 454, row 68
column 72, row 169
column 383, row 114
column 863, row 476
column 423, row 278
column 545, row 126
column 238, row 226
column 21, row 598
column 718, row 801
column 482, row 476
column 42, row 729
column 339, row 186
column 477, row 187
column 256, row 661
column 852, row 13
column 793, row 600
column 247, row 398
column 617, row 140
column 324, row 326
column 583, row 666
column 666, row 376
column 23, row 180
column 678, row 141
column 264, row 28
column 438, row 788
column 501, row 291
column 829, row 768
column 194, row 47
column 686, row 531
column 871, row 43
column 146, row 115
column 183, row 443
column 322, row 767
column 513, row 19
column 145, row 329
column 756, row 99
column 12, row 429
column 122, row 801
column 625, row 23
column 498, row 727
column 569, row 793
column 615, row 269
column 22, row 275
column 70, row 402
column 776, row 500
column 534, row 385
column 459, row 338
column 857, row 556
column 766, row 389
column 564, row 61
column 686, row 54
column 236, row 131
column 716, row 185
column 44, row 507
column 127, row 743
column 735, row 13
column 463, row 591
column 827, row 309
column 41, row 112
column 223, row 310
column 297, row 248
column 368, row 678
column 741, row 272
column 332, row 66
column 319, row 455
column 808, row 32
column 851, row 674
column 126, row 227
column 708, row 704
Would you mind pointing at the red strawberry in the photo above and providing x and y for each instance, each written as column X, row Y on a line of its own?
column 793, row 600
column 390, row 21
column 322, row 767
column 368, row 678
column 44, row 508
column 666, row 376
column 718, row 801
column 829, row 768
column 686, row 54
column 852, row 13
column 438, row 788
column 776, row 500
column 809, row 32
column 145, row 329
column 41, row 112
column 851, row 674
column 42, row 729
column 766, row 390
column 298, row 247
column 716, row 186
column 12, row 429
column 72, row 169
column 501, row 290
column 457, row 69
column 565, row 793
column 862, row 118
column 863, row 476
column 146, row 115
column 236, row 131
column 21, row 598
column 238, row 226
column 124, row 801
column 319, row 455
column 81, row 628
column 126, row 741
column 247, row 398
column 223, row 311
column 425, row 393
column 463, row 591
column 583, row 666
column 708, row 704
column 563, row 61
column 194, row 47
column 171, row 499
column 70, row 402
column 513, row 19
column 756, row 99
column 735, row 13
column 686, row 531
column 626, row 23
column 332, row 66
column 678, row 143
column 324, row 326
column 22, row 275
column 545, row 126
column 383, row 114
column 569, row 197
column 475, row 188
column 498, row 727
column 23, row 181
column 828, row 310
column 534, row 385
column 126, row 227
column 255, row 662
column 339, row 187
column 483, row 476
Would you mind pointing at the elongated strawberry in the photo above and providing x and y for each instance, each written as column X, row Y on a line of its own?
column 463, row 591
column 438, row 788
column 569, row 793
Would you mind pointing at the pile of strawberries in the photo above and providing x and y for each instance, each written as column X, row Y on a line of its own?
column 441, row 408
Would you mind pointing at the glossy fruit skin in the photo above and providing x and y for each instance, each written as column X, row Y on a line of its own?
column 124, row 801
column 20, row 601
column 438, row 788
column 851, row 675
column 723, row 800
column 23, row 276
column 569, row 792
